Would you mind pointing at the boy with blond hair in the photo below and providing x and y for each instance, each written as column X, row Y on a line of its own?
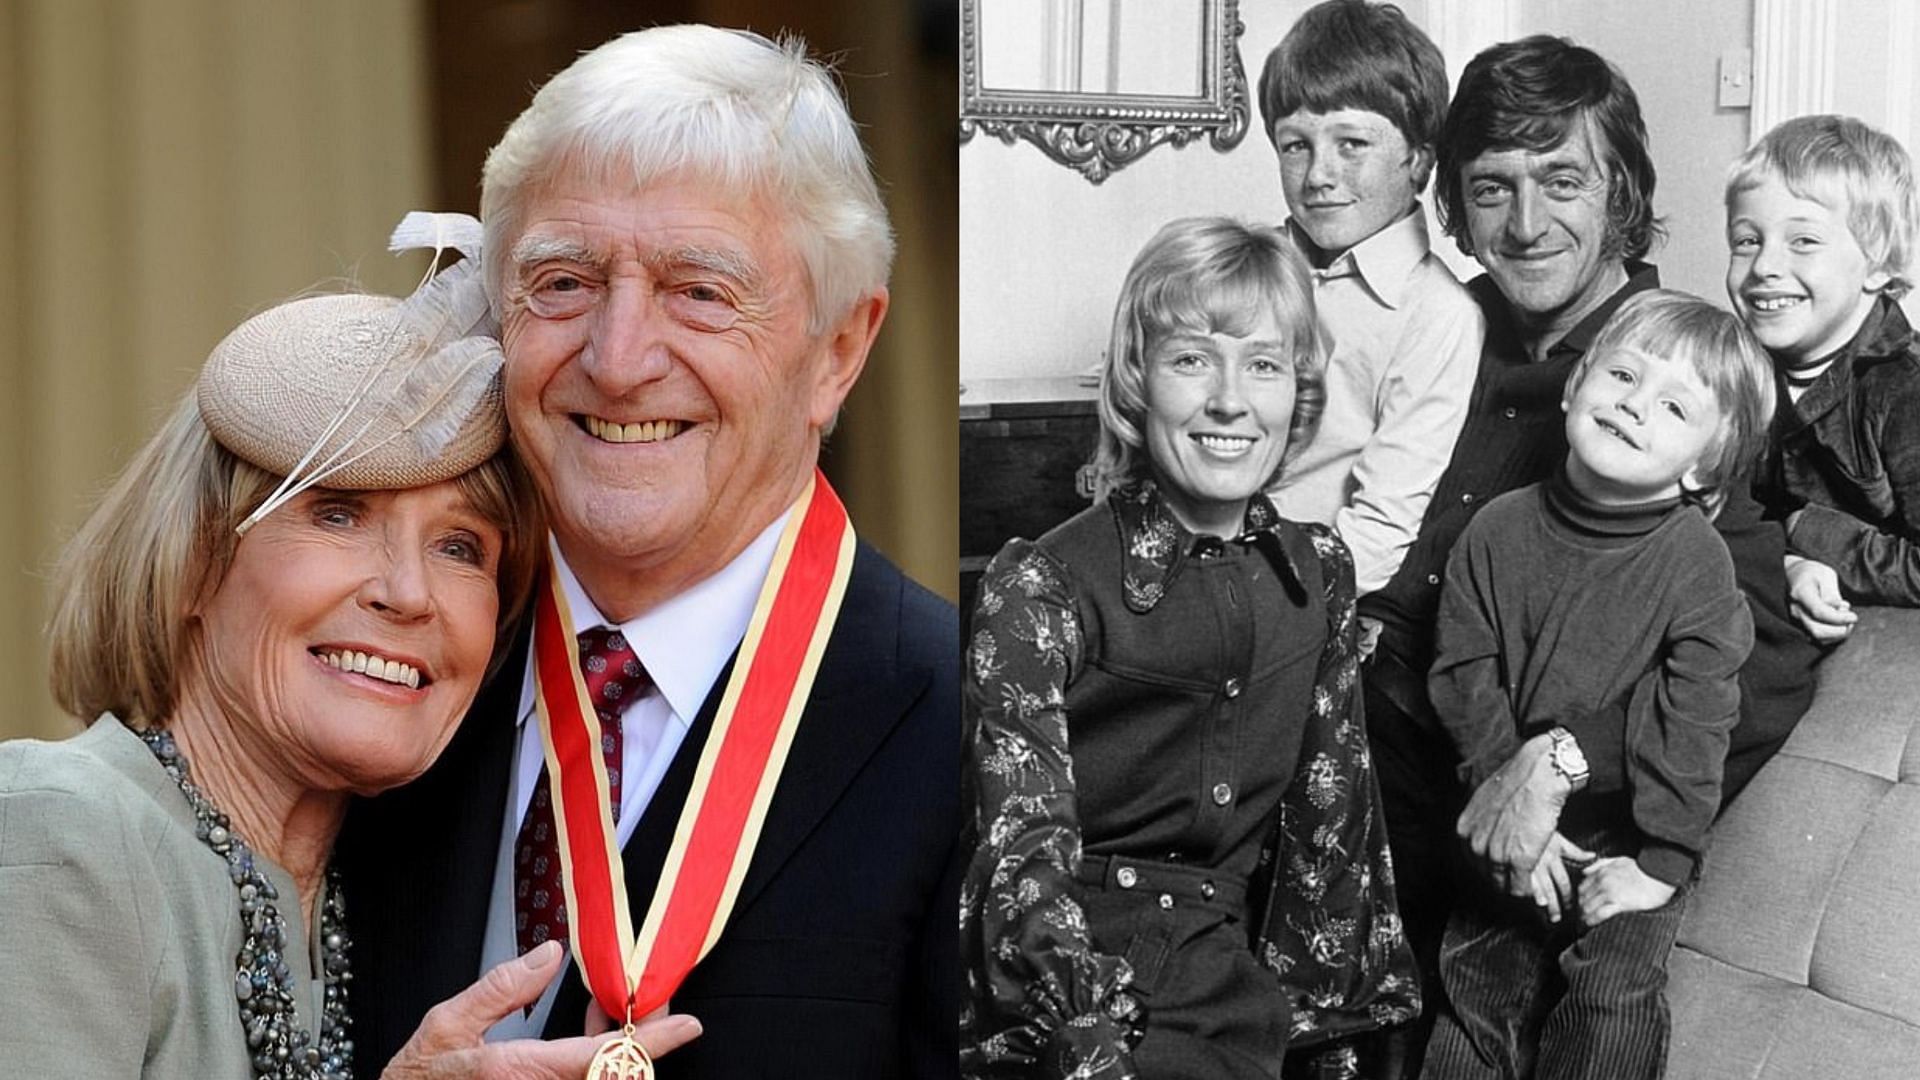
column 1821, row 221
column 1821, row 215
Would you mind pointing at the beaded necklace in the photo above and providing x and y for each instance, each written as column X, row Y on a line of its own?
column 263, row 984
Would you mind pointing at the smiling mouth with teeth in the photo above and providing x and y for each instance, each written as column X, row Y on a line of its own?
column 644, row 431
column 1773, row 303
column 372, row 666
column 1224, row 444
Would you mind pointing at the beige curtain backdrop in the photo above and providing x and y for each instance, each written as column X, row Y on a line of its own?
column 166, row 169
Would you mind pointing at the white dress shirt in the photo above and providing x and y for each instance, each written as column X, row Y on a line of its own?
column 684, row 643
column 1405, row 350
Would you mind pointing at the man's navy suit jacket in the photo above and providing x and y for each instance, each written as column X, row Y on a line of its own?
column 840, row 959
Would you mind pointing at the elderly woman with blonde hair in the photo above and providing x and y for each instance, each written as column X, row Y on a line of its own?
column 287, row 599
column 1179, row 868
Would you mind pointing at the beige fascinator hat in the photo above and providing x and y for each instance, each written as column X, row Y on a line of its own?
column 364, row 392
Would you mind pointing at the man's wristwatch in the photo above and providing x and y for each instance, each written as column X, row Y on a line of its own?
column 1566, row 757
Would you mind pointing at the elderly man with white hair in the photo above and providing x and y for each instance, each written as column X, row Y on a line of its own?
column 721, row 762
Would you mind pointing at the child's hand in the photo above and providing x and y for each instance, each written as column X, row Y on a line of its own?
column 1617, row 884
column 1552, row 884
column 1369, row 636
column 1813, row 592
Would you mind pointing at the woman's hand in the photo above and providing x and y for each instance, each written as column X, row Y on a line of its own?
column 449, row 1046
column 1617, row 884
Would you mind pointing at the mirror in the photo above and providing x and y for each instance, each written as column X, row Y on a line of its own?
column 1097, row 83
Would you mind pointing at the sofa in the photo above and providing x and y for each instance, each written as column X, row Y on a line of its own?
column 1800, row 954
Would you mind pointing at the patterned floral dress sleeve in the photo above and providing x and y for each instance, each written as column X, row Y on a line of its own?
column 1042, row 1000
column 1332, row 931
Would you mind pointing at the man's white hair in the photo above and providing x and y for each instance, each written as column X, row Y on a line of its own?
column 724, row 107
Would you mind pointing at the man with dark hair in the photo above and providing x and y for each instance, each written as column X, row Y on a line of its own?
column 1576, row 88
column 1544, row 177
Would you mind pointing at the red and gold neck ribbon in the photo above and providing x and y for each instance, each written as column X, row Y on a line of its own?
column 632, row 974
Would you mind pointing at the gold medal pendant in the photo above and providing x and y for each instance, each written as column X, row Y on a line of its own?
column 622, row 1059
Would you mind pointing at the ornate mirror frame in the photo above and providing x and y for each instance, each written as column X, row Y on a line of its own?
column 1097, row 134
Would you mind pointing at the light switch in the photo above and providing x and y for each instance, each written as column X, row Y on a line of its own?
column 1736, row 79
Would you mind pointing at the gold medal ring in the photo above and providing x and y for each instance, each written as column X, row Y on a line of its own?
column 622, row 1059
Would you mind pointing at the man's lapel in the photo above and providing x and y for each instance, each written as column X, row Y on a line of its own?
column 843, row 726
column 492, row 724
column 470, row 796
column 857, row 698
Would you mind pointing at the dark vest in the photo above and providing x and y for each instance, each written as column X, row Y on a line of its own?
column 1187, row 711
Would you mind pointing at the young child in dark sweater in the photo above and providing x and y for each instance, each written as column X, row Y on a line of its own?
column 1821, row 216
column 1606, row 585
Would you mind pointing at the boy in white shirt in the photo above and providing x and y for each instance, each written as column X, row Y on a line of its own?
column 1353, row 98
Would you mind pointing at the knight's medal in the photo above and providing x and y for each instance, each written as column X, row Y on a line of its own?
column 622, row 1059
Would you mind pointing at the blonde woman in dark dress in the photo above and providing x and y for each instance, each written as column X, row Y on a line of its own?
column 1179, row 868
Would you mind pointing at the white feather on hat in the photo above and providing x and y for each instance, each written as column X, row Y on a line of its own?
column 365, row 392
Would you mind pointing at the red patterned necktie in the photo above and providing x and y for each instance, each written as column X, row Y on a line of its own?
column 614, row 677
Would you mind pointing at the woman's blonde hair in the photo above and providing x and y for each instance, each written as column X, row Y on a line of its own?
column 1212, row 275
column 163, row 536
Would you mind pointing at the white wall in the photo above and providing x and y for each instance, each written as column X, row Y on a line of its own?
column 1875, row 79
column 1868, row 67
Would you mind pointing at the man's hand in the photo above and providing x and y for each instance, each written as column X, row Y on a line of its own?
column 449, row 1046
column 1512, row 816
column 1551, row 882
column 1813, row 593
column 1617, row 884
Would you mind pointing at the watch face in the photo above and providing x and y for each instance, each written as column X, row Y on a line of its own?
column 1568, row 759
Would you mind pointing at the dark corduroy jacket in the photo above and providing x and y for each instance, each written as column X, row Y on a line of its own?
column 1848, row 454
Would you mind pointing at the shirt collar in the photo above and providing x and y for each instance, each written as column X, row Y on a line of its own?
column 1640, row 277
column 1156, row 546
column 686, row 640
column 1501, row 326
column 1384, row 262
